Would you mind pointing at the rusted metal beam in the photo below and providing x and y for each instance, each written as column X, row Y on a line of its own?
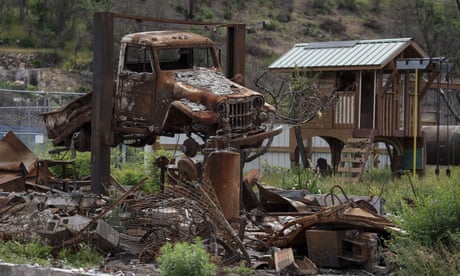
column 236, row 50
column 102, row 101
column 171, row 21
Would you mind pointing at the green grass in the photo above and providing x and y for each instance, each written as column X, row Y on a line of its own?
column 33, row 252
column 85, row 256
column 27, row 50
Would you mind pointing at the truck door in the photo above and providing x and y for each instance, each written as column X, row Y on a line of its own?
column 136, row 85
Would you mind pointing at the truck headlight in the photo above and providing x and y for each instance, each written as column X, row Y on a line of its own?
column 222, row 109
column 258, row 102
column 263, row 116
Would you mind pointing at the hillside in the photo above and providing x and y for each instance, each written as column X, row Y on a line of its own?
column 273, row 27
column 274, row 30
column 65, row 27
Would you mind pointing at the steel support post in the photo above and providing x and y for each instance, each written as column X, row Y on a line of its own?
column 236, row 52
column 101, row 101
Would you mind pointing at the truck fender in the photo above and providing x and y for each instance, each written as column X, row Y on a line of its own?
column 181, row 110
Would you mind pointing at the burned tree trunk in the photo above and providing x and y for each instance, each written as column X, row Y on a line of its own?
column 302, row 150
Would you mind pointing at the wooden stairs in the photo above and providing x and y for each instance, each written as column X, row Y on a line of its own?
column 353, row 159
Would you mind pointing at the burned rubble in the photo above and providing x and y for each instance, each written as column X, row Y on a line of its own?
column 276, row 230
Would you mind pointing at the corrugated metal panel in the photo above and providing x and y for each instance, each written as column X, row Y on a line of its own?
column 372, row 53
column 282, row 139
column 279, row 159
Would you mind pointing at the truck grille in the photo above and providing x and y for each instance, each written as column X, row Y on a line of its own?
column 240, row 116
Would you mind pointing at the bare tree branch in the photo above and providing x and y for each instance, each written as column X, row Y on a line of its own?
column 296, row 99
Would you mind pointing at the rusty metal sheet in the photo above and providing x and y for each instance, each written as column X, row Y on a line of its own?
column 306, row 266
column 278, row 200
column 324, row 200
column 339, row 216
column 283, row 258
column 13, row 153
column 256, row 139
column 65, row 121
column 194, row 111
column 12, row 182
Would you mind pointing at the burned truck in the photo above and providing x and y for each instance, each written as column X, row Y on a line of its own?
column 168, row 82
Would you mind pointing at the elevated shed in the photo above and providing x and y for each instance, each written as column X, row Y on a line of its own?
column 376, row 100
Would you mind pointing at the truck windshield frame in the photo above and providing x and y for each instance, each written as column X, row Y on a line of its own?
column 186, row 58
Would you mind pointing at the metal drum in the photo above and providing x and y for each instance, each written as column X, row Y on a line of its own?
column 223, row 169
column 448, row 144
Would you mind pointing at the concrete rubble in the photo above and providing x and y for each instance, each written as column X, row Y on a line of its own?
column 279, row 232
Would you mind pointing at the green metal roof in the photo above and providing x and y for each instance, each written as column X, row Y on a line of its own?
column 339, row 54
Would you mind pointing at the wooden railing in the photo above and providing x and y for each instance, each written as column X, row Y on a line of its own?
column 389, row 116
column 344, row 111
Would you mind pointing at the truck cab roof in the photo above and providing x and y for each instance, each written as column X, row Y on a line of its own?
column 167, row 38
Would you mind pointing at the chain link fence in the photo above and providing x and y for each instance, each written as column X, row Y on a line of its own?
column 20, row 112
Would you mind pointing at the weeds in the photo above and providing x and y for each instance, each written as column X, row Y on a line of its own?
column 304, row 179
column 430, row 244
column 185, row 259
column 239, row 270
column 414, row 258
column 34, row 252
column 85, row 256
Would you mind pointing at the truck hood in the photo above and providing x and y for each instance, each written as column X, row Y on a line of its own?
column 206, row 86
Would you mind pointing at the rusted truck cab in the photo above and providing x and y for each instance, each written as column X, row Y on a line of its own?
column 168, row 82
column 171, row 82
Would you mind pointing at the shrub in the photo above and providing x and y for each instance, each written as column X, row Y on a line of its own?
column 82, row 164
column 283, row 17
column 431, row 223
column 271, row 25
column 185, row 259
column 319, row 7
column 205, row 13
column 349, row 5
column 129, row 174
column 372, row 23
column 435, row 217
column 333, row 26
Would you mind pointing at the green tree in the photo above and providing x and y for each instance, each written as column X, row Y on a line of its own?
column 52, row 23
column 435, row 25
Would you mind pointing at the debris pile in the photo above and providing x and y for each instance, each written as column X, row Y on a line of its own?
column 279, row 230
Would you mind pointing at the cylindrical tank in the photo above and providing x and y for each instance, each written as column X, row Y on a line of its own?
column 223, row 170
column 448, row 144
